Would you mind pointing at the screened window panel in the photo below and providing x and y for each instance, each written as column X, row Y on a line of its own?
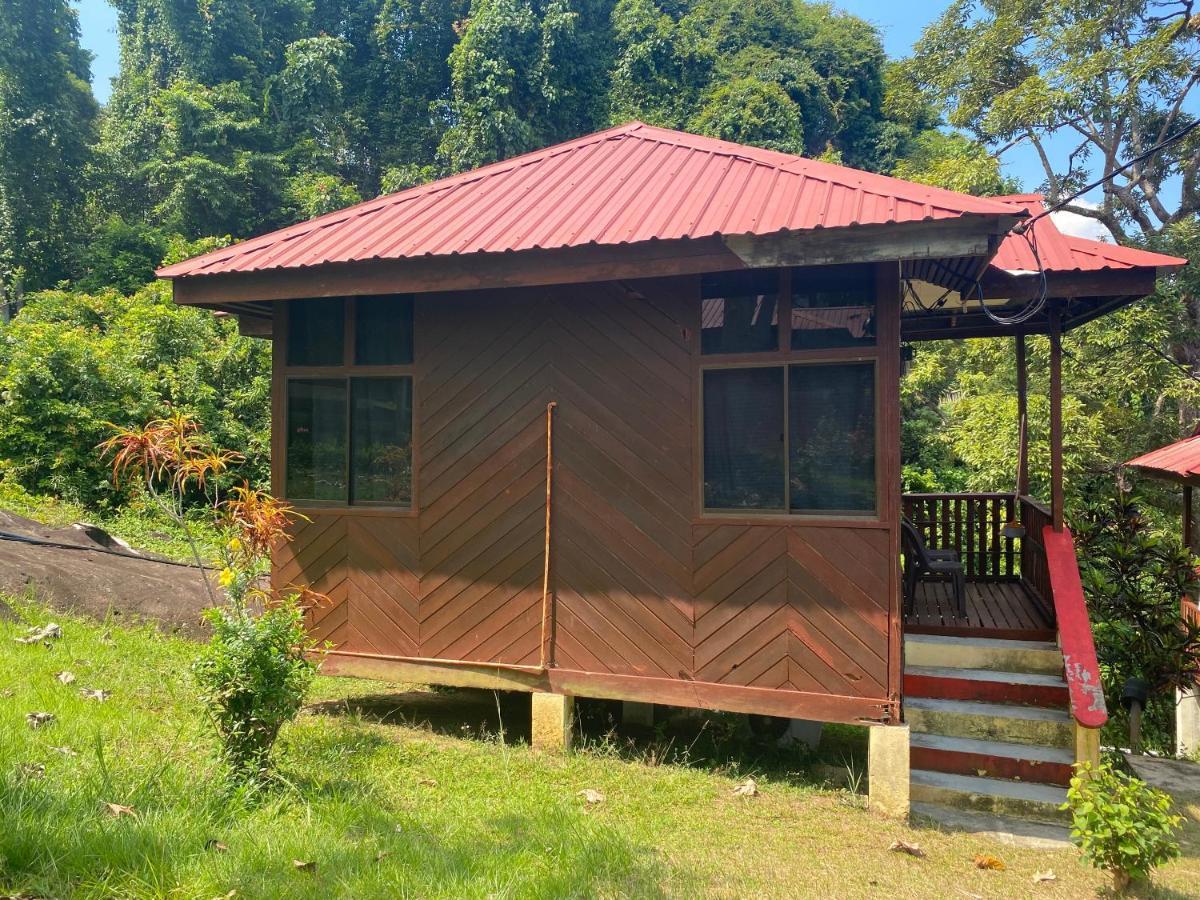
column 833, row 306
column 739, row 312
column 743, row 439
column 831, row 438
column 316, row 439
column 381, row 425
column 383, row 330
column 316, row 332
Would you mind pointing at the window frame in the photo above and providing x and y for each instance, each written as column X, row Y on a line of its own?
column 785, row 357
column 284, row 373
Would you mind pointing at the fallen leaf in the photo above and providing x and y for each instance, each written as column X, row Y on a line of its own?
column 590, row 796
column 428, row 782
column 33, row 770
column 94, row 694
column 214, row 844
column 304, row 865
column 381, row 854
column 38, row 719
column 748, row 788
column 232, row 893
column 983, row 861
column 64, row 677
column 906, row 847
column 116, row 810
column 969, row 895
column 49, row 631
column 1039, row 877
column 65, row 751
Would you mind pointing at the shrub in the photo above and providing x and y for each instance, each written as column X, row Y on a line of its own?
column 253, row 675
column 1121, row 825
column 255, row 671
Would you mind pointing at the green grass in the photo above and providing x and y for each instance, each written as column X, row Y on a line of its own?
column 403, row 791
column 140, row 523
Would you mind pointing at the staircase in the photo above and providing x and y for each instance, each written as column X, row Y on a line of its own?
column 991, row 730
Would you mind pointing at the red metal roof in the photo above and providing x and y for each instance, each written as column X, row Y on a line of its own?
column 626, row 185
column 1180, row 460
column 1066, row 253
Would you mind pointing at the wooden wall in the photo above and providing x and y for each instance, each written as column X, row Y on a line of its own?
column 644, row 586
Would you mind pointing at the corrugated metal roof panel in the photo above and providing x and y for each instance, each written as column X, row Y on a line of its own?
column 1178, row 460
column 628, row 184
column 1060, row 252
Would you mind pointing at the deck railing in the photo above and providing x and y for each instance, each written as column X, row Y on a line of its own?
column 972, row 525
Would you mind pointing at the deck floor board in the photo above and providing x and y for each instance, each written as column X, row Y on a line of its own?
column 994, row 609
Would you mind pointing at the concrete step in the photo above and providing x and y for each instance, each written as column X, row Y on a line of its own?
column 1005, row 830
column 990, row 721
column 1038, row 657
column 992, row 759
column 986, row 686
column 994, row 796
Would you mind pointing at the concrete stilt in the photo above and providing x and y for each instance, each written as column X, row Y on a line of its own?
column 553, row 718
column 639, row 715
column 888, row 771
column 1187, row 723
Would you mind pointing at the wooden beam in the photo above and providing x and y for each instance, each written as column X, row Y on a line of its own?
column 940, row 239
column 1022, row 417
column 1056, row 423
column 469, row 272
column 887, row 313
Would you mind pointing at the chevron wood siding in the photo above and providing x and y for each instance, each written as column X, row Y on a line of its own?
column 644, row 586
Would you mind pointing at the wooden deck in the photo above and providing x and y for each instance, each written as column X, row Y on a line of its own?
column 995, row 608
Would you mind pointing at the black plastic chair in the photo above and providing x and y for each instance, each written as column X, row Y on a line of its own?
column 922, row 563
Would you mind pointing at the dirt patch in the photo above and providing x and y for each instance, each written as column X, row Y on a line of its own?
column 97, row 583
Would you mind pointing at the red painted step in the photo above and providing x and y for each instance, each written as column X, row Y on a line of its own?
column 986, row 686
column 991, row 759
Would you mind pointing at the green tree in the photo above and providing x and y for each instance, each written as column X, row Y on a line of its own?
column 47, row 122
column 750, row 111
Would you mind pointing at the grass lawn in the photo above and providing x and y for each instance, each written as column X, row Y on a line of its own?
column 398, row 791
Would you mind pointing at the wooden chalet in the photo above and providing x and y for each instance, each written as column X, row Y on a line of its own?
column 620, row 418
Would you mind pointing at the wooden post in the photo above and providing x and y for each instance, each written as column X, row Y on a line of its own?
column 1022, row 418
column 1187, row 518
column 1056, row 423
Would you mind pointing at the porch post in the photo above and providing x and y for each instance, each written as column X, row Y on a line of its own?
column 1022, row 418
column 1187, row 518
column 1056, row 423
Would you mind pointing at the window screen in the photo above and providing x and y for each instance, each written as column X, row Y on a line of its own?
column 383, row 330
column 381, row 441
column 316, row 333
column 831, row 438
column 739, row 312
column 743, row 439
column 833, row 306
column 316, row 439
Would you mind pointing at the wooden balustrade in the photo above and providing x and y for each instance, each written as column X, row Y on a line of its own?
column 972, row 525
column 1035, row 516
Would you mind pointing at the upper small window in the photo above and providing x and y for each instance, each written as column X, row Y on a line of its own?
column 316, row 330
column 833, row 306
column 739, row 312
column 383, row 330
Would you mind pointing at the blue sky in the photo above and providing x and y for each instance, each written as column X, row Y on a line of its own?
column 899, row 21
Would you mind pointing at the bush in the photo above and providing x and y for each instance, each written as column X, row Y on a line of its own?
column 253, row 677
column 1121, row 825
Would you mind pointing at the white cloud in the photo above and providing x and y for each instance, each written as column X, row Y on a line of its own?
column 1081, row 226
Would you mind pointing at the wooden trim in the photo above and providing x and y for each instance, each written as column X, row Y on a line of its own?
column 667, row 691
column 1022, row 415
column 1188, row 518
column 476, row 271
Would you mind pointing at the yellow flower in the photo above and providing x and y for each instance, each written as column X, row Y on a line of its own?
column 226, row 577
column 234, row 544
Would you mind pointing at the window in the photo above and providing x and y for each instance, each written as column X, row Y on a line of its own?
column 794, row 438
column 348, row 431
column 832, row 306
column 831, row 438
column 739, row 312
